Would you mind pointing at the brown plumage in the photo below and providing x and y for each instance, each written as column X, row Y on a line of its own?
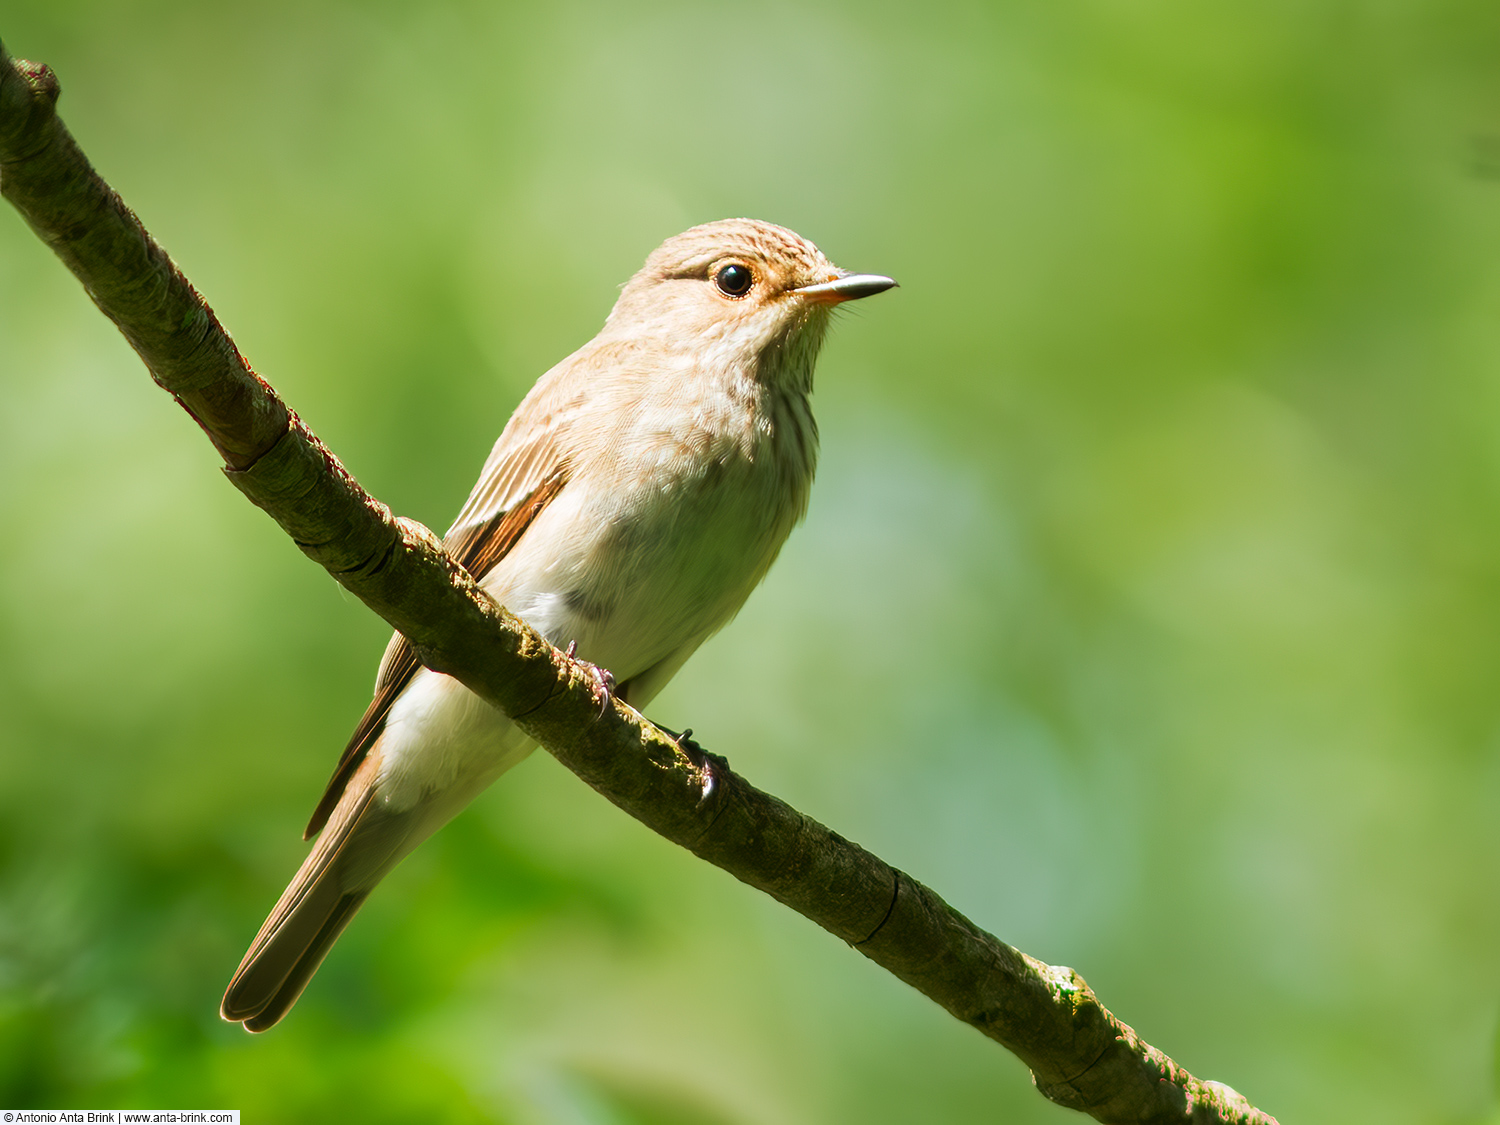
column 636, row 497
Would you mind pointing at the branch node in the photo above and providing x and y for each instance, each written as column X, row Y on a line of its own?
column 889, row 910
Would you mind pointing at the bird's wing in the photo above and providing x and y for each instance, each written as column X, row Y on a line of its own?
column 521, row 477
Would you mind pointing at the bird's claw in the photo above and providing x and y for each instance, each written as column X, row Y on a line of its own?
column 603, row 678
column 701, row 758
column 706, row 778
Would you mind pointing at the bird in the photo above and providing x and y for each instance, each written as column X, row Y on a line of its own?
column 638, row 494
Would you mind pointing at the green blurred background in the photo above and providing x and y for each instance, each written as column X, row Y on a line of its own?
column 1148, row 607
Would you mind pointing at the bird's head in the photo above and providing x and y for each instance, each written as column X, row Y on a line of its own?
column 740, row 292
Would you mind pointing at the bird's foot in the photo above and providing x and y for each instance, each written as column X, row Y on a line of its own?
column 603, row 679
column 684, row 741
column 707, row 763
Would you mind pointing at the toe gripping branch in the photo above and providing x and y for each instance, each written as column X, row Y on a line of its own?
column 709, row 765
column 603, row 679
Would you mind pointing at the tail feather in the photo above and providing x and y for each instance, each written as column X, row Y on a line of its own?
column 363, row 839
column 269, row 1009
column 360, row 844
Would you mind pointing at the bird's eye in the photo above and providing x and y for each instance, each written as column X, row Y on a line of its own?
column 734, row 280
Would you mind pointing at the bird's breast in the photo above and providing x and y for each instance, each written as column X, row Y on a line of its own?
column 658, row 540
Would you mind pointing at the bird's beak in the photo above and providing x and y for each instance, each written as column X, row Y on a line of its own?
column 850, row 287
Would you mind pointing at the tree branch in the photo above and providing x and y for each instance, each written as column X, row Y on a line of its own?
column 1080, row 1055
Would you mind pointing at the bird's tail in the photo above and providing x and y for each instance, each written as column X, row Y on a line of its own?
column 361, row 843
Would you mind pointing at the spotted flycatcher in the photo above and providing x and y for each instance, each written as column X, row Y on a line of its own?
column 636, row 497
